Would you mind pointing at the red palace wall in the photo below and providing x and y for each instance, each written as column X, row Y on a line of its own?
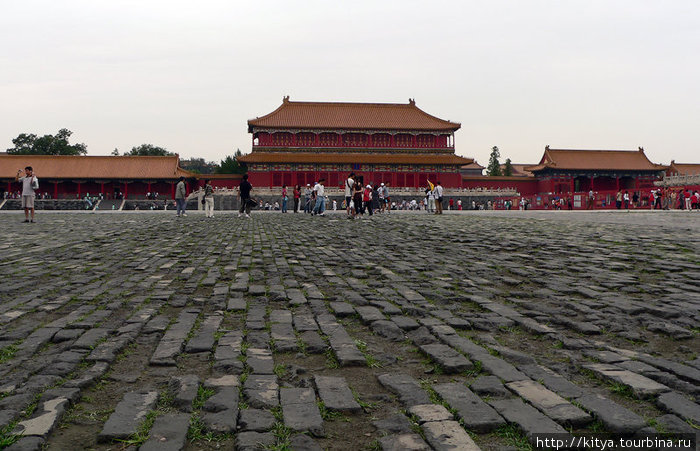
column 337, row 178
column 524, row 185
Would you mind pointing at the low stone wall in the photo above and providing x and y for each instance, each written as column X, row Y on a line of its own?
column 48, row 204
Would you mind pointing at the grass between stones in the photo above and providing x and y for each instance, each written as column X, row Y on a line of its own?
column 513, row 436
column 7, row 353
column 372, row 362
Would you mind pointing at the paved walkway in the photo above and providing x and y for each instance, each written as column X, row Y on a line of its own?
column 406, row 331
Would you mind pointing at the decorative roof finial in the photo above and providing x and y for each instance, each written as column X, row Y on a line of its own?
column 546, row 147
column 411, row 101
column 641, row 149
column 285, row 99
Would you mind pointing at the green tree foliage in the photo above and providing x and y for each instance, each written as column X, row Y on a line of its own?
column 31, row 144
column 230, row 164
column 199, row 165
column 494, row 167
column 508, row 168
column 149, row 150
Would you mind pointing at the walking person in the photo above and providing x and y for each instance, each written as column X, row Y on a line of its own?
column 618, row 199
column 319, row 191
column 180, row 195
column 438, row 198
column 244, row 190
column 591, row 200
column 387, row 197
column 284, row 198
column 626, row 198
column 686, row 198
column 208, row 199
column 297, row 195
column 349, row 184
column 30, row 183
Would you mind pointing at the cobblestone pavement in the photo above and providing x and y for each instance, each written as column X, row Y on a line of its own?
column 290, row 332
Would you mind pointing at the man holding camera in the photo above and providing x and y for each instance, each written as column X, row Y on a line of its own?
column 29, row 184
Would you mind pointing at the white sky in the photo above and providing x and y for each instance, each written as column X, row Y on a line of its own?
column 518, row 74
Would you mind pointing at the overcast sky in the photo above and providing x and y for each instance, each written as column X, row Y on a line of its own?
column 519, row 74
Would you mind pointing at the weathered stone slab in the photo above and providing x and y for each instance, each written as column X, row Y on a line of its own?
column 407, row 388
column 336, row 395
column 615, row 417
column 256, row 420
column 527, row 418
column 369, row 314
column 254, row 441
column 388, row 329
column 405, row 323
column 680, row 405
column 342, row 309
column 225, row 398
column 430, row 412
column 450, row 360
column 221, row 422
column 260, row 361
column 90, row 338
column 549, row 403
column 300, row 411
column 489, row 386
column 403, row 442
column 171, row 343
column 184, row 391
column 448, row 435
column 475, row 413
column 261, row 391
column 641, row 386
column 203, row 341
column 552, row 381
column 169, row 433
column 45, row 419
column 313, row 343
column 127, row 415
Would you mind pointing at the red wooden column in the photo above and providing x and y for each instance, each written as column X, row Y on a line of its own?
column 369, row 140
column 340, row 140
column 55, row 190
column 149, row 187
column 9, row 187
column 592, row 184
column 317, row 140
column 392, row 141
column 78, row 189
column 294, row 139
column 126, row 189
column 413, row 140
column 572, row 185
column 617, row 183
column 172, row 190
column 102, row 188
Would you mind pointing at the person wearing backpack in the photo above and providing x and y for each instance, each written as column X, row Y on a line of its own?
column 208, row 199
column 29, row 185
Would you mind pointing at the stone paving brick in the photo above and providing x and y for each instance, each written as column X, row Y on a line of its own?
column 615, row 417
column 336, row 395
column 549, row 403
column 169, row 432
column 475, row 413
column 127, row 415
column 300, row 410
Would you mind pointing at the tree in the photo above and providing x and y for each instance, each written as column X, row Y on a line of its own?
column 230, row 164
column 508, row 168
column 31, row 144
column 199, row 165
column 494, row 167
column 115, row 152
column 149, row 150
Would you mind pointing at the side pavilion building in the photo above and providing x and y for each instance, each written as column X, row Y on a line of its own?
column 573, row 171
column 399, row 144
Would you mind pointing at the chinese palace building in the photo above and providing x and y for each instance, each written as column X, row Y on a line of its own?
column 399, row 144
column 570, row 170
column 62, row 176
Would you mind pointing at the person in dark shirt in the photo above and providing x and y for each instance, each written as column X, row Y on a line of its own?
column 244, row 190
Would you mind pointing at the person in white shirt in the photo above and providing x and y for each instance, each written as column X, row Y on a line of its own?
column 320, row 206
column 349, row 183
column 29, row 185
column 438, row 198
